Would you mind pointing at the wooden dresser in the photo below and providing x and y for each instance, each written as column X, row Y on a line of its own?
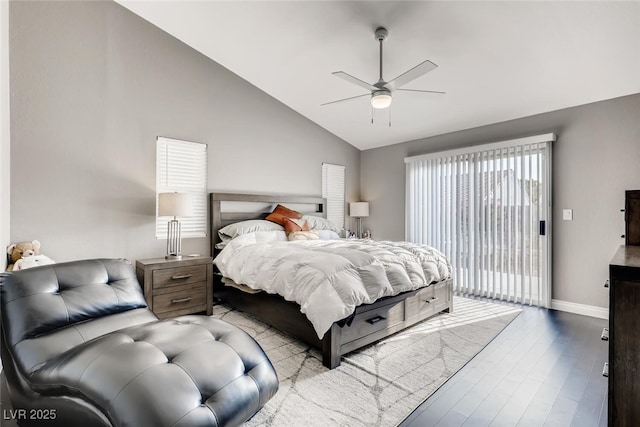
column 176, row 287
column 624, row 337
column 632, row 217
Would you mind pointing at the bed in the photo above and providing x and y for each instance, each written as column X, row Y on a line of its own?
column 366, row 323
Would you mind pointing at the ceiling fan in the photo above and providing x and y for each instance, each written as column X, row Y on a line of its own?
column 381, row 92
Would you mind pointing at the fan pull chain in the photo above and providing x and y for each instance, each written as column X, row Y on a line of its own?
column 389, row 112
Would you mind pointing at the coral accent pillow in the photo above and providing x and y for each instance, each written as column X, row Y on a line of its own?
column 280, row 213
column 293, row 224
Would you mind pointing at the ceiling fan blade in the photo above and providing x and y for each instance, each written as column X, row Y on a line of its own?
column 354, row 80
column 435, row 92
column 412, row 74
column 345, row 99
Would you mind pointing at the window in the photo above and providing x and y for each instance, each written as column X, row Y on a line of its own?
column 181, row 166
column 333, row 184
column 488, row 209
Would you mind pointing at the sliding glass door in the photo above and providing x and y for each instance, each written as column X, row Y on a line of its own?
column 488, row 209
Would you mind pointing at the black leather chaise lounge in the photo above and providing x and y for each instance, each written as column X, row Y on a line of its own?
column 81, row 348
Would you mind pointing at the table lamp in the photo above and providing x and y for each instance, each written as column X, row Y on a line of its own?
column 359, row 210
column 175, row 205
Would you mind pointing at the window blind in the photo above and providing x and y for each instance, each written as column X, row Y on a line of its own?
column 485, row 208
column 333, row 189
column 181, row 166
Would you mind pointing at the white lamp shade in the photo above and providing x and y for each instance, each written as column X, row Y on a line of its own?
column 359, row 209
column 175, row 204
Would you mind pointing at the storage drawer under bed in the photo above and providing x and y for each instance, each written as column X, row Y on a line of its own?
column 442, row 296
column 427, row 301
column 374, row 320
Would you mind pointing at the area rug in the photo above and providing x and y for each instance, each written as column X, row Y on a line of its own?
column 379, row 385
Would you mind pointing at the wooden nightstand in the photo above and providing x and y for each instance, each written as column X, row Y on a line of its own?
column 173, row 288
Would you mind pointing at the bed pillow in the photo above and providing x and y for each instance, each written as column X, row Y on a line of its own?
column 303, row 235
column 298, row 229
column 280, row 213
column 320, row 223
column 327, row 234
column 236, row 229
column 293, row 224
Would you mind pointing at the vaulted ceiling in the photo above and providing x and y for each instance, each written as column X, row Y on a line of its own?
column 496, row 61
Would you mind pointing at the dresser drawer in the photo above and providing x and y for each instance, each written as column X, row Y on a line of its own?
column 370, row 321
column 189, row 296
column 179, row 276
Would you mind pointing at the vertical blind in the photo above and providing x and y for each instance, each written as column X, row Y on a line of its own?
column 181, row 166
column 483, row 207
column 333, row 189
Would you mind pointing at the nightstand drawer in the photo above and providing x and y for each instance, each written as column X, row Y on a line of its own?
column 179, row 276
column 188, row 296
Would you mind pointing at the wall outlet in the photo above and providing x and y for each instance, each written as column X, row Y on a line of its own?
column 567, row 214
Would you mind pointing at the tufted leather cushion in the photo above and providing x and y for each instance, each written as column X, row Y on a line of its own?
column 192, row 370
column 78, row 337
column 41, row 300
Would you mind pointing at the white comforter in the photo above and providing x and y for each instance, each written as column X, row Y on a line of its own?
column 329, row 278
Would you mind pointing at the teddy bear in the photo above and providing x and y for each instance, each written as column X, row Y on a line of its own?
column 32, row 261
column 26, row 255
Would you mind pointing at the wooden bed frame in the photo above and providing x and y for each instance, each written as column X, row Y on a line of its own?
column 370, row 323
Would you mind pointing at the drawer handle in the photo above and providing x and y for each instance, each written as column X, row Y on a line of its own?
column 179, row 300
column 429, row 301
column 375, row 319
column 180, row 276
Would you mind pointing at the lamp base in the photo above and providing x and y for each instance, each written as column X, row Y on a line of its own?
column 174, row 243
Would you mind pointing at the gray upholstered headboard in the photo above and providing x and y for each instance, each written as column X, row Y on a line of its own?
column 227, row 208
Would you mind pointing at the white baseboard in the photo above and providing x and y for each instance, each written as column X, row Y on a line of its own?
column 585, row 310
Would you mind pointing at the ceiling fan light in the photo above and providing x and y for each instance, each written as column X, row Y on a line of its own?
column 381, row 99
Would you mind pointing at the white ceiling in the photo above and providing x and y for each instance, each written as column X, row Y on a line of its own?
column 496, row 60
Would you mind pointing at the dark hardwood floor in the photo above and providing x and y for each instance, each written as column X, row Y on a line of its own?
column 544, row 369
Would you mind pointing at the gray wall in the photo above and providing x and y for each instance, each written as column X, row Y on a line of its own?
column 92, row 85
column 595, row 159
